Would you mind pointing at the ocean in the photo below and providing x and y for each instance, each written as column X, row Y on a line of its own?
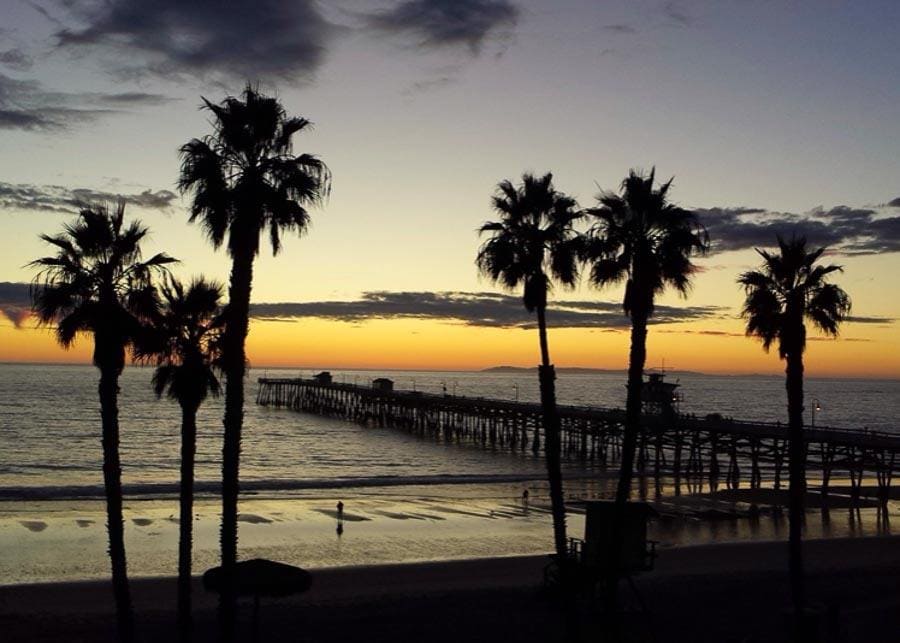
column 407, row 498
column 49, row 428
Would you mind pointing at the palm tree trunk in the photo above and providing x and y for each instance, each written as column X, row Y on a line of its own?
column 237, row 322
column 186, row 517
column 108, row 390
column 797, row 474
column 636, row 360
column 547, row 380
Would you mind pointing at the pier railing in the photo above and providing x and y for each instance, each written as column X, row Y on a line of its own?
column 714, row 449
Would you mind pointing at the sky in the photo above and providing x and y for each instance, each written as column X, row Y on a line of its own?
column 772, row 117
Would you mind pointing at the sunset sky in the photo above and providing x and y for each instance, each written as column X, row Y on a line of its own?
column 773, row 117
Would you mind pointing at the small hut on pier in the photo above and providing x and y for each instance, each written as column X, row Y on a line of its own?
column 323, row 378
column 383, row 384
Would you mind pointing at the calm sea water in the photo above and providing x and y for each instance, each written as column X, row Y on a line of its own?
column 49, row 428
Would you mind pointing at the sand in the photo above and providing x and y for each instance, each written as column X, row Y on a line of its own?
column 710, row 593
column 62, row 540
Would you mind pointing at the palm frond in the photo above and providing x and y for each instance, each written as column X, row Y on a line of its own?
column 534, row 243
column 788, row 288
column 244, row 178
column 639, row 237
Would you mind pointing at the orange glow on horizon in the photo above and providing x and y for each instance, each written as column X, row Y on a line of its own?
column 432, row 345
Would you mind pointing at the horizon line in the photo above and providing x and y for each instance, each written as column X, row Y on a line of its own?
column 306, row 367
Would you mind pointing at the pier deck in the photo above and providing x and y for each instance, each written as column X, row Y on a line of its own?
column 714, row 449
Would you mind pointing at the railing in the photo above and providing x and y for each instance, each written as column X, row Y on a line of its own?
column 724, row 424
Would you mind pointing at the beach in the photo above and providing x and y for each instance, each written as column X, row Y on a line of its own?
column 63, row 540
column 708, row 593
column 437, row 539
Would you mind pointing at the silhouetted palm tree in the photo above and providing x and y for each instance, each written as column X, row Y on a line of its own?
column 245, row 179
column 534, row 237
column 788, row 289
column 639, row 237
column 184, row 342
column 96, row 283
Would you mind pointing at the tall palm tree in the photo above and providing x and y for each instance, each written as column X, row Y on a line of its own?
column 643, row 239
column 532, row 245
column 184, row 342
column 97, row 283
column 245, row 179
column 789, row 288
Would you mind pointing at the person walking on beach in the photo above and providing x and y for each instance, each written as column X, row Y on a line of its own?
column 340, row 518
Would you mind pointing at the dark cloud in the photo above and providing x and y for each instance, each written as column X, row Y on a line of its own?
column 430, row 84
column 473, row 309
column 448, row 23
column 871, row 320
column 235, row 40
column 623, row 29
column 850, row 231
column 16, row 59
column 57, row 198
column 25, row 105
column 134, row 98
column 28, row 105
column 677, row 14
column 15, row 302
column 895, row 203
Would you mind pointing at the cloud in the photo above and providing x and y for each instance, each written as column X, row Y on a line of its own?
column 28, row 105
column 871, row 320
column 448, row 23
column 430, row 84
column 134, row 98
column 235, row 40
column 16, row 59
column 15, row 302
column 57, row 198
column 481, row 309
column 620, row 29
column 25, row 105
column 677, row 15
column 895, row 203
column 849, row 231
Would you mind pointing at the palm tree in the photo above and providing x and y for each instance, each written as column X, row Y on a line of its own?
column 184, row 343
column 534, row 237
column 639, row 237
column 788, row 289
column 245, row 179
column 97, row 283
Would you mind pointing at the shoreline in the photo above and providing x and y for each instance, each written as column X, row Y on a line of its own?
column 480, row 599
column 66, row 540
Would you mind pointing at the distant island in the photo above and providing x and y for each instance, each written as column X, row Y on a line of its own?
column 575, row 370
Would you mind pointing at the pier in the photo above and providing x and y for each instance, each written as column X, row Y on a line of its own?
column 692, row 450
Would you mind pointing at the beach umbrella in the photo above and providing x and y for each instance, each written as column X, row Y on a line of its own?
column 260, row 578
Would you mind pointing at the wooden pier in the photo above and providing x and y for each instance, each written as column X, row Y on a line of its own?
column 694, row 450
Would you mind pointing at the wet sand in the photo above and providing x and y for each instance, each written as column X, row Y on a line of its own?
column 47, row 541
column 711, row 593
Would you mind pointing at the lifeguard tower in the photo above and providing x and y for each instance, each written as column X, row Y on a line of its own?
column 658, row 396
column 589, row 559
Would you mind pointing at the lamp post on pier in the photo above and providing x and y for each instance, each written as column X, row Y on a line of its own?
column 815, row 407
column 516, row 387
